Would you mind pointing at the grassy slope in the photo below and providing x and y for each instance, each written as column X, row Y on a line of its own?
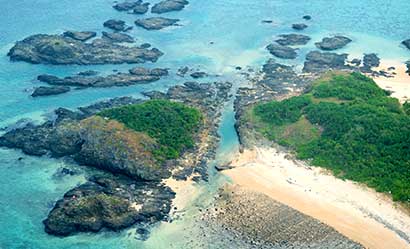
column 171, row 124
column 345, row 123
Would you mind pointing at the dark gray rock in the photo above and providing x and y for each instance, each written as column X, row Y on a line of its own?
column 168, row 6
column 46, row 91
column 406, row 43
column 197, row 75
column 317, row 62
column 80, row 35
column 127, row 5
column 293, row 40
column 223, row 167
column 117, row 37
column 333, row 43
column 109, row 202
column 116, row 25
column 299, row 26
column 141, row 9
column 159, row 72
column 119, row 79
column 283, row 52
column 307, row 17
column 145, row 45
column 156, row 23
column 182, row 71
column 369, row 61
column 88, row 73
column 408, row 67
column 356, row 62
column 61, row 50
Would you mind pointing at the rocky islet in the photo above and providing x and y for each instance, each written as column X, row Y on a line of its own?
column 156, row 23
column 333, row 43
column 62, row 50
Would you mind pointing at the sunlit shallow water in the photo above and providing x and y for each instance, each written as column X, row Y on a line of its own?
column 29, row 187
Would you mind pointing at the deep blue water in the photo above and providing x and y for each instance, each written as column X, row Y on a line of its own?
column 28, row 188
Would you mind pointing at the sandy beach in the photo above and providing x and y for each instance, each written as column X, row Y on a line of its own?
column 356, row 211
column 399, row 84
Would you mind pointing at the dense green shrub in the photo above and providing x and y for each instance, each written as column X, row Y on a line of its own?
column 287, row 111
column 365, row 138
column 172, row 124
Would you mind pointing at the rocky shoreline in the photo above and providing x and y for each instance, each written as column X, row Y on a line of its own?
column 130, row 189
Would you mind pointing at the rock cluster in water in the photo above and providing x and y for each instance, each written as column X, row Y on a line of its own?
column 62, row 50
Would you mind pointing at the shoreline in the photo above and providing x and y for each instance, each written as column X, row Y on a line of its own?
column 354, row 210
column 399, row 84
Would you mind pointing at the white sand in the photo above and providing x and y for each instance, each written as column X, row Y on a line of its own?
column 346, row 206
column 185, row 192
column 399, row 84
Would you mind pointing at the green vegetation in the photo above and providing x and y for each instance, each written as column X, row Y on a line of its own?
column 345, row 123
column 171, row 124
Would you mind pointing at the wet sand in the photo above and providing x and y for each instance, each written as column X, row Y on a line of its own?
column 355, row 211
column 399, row 84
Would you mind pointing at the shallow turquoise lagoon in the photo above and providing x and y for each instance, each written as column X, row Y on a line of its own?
column 29, row 186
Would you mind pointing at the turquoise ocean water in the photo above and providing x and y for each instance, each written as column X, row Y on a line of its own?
column 29, row 188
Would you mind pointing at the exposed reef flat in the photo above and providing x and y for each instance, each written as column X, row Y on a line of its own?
column 168, row 6
column 130, row 190
column 255, row 220
column 156, row 23
column 62, row 50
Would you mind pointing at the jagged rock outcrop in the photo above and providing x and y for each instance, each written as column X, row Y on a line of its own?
column 283, row 52
column 317, row 62
column 168, row 6
column 47, row 91
column 62, row 50
column 80, row 35
column 293, row 40
column 117, row 37
column 135, row 76
column 333, row 43
column 406, row 43
column 156, row 23
column 110, row 202
column 299, row 26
